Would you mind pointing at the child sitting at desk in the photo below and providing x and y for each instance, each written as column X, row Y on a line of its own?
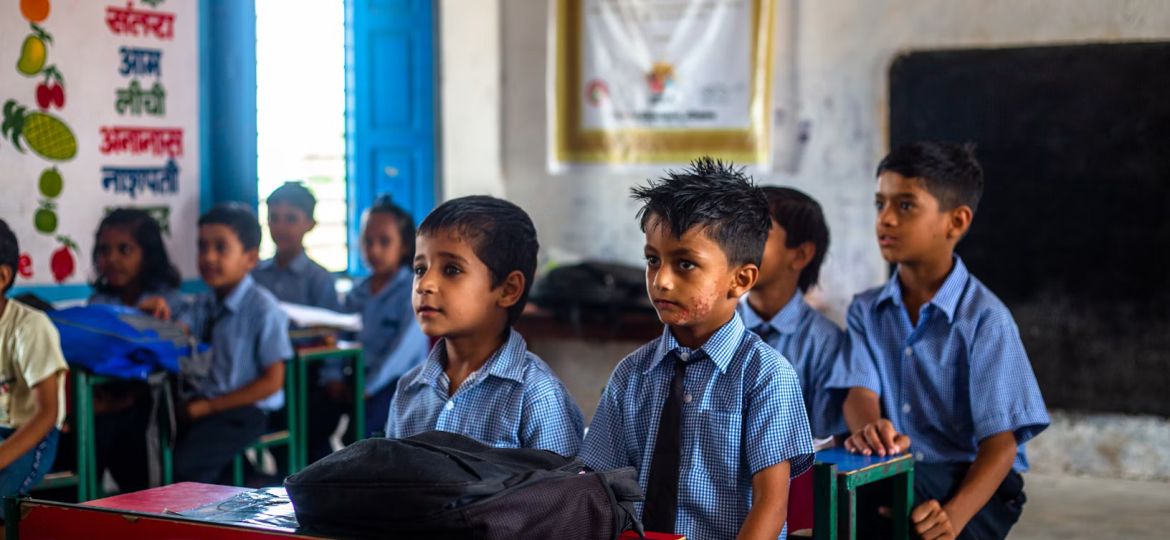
column 291, row 275
column 473, row 270
column 32, row 383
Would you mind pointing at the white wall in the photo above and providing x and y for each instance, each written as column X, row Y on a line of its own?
column 835, row 56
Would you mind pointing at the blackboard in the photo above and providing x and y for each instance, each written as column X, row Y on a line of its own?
column 1074, row 229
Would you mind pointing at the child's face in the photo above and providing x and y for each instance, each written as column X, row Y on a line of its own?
column 780, row 264
column 690, row 280
column 288, row 226
column 453, row 293
column 223, row 261
column 118, row 257
column 910, row 226
column 382, row 243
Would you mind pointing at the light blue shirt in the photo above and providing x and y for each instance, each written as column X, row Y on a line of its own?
column 303, row 282
column 513, row 401
column 812, row 344
column 742, row 413
column 958, row 377
column 249, row 336
column 391, row 340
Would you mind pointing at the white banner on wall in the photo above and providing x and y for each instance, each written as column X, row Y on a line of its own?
column 100, row 110
column 660, row 81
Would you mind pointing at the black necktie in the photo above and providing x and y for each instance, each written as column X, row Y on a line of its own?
column 662, row 488
column 765, row 331
column 209, row 326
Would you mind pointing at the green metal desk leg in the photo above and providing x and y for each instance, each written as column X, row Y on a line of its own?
column 903, row 504
column 86, row 459
column 359, row 396
column 291, row 408
column 825, row 501
column 302, row 439
column 847, row 513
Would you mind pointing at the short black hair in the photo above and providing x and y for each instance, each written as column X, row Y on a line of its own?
column 949, row 171
column 803, row 221
column 157, row 272
column 239, row 218
column 715, row 196
column 294, row 194
column 384, row 204
column 501, row 235
column 9, row 252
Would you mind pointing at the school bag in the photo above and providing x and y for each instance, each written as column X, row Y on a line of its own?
column 124, row 343
column 440, row 485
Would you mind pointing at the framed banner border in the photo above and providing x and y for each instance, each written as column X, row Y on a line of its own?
column 573, row 144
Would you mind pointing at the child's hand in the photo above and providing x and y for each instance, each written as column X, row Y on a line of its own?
column 878, row 438
column 931, row 521
column 156, row 307
column 198, row 408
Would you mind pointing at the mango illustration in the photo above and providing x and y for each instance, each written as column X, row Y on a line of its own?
column 34, row 52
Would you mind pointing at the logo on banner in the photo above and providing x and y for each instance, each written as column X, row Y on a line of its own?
column 660, row 81
column 596, row 92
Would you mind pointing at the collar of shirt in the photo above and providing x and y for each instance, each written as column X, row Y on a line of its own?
column 364, row 288
column 720, row 347
column 947, row 297
column 506, row 363
column 298, row 265
column 232, row 301
column 786, row 321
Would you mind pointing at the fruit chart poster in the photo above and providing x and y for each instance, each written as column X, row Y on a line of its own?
column 647, row 82
column 100, row 110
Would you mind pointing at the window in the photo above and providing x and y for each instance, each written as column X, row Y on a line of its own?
column 300, row 101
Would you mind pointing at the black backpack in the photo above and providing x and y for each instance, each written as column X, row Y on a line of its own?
column 439, row 485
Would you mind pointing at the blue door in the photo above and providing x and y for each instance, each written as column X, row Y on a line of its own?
column 390, row 108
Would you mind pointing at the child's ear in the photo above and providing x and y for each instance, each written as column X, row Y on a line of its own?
column 804, row 255
column 6, row 276
column 959, row 221
column 743, row 280
column 511, row 289
column 251, row 258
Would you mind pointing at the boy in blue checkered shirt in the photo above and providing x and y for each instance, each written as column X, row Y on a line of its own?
column 935, row 363
column 710, row 415
column 473, row 265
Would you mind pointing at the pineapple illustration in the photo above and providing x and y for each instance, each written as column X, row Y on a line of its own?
column 44, row 133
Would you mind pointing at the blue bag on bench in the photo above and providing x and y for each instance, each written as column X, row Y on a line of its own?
column 103, row 340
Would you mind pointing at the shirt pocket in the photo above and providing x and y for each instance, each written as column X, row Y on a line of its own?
column 715, row 445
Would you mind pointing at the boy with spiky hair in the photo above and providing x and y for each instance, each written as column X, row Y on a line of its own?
column 710, row 416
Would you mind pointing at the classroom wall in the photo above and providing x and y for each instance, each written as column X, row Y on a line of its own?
column 832, row 57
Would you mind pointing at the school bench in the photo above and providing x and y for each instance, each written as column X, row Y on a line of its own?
column 838, row 473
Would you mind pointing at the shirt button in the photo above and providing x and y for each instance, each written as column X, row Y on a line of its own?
column 909, row 351
column 919, row 456
column 906, row 408
column 450, row 405
column 687, row 398
column 684, row 356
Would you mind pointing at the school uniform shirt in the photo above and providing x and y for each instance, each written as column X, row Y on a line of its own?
column 249, row 333
column 392, row 342
column 742, row 413
column 959, row 376
column 174, row 299
column 30, row 352
column 811, row 343
column 513, row 401
column 303, row 282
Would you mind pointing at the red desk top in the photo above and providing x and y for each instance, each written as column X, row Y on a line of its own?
column 175, row 498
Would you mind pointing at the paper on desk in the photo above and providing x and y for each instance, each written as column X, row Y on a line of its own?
column 822, row 444
column 305, row 316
